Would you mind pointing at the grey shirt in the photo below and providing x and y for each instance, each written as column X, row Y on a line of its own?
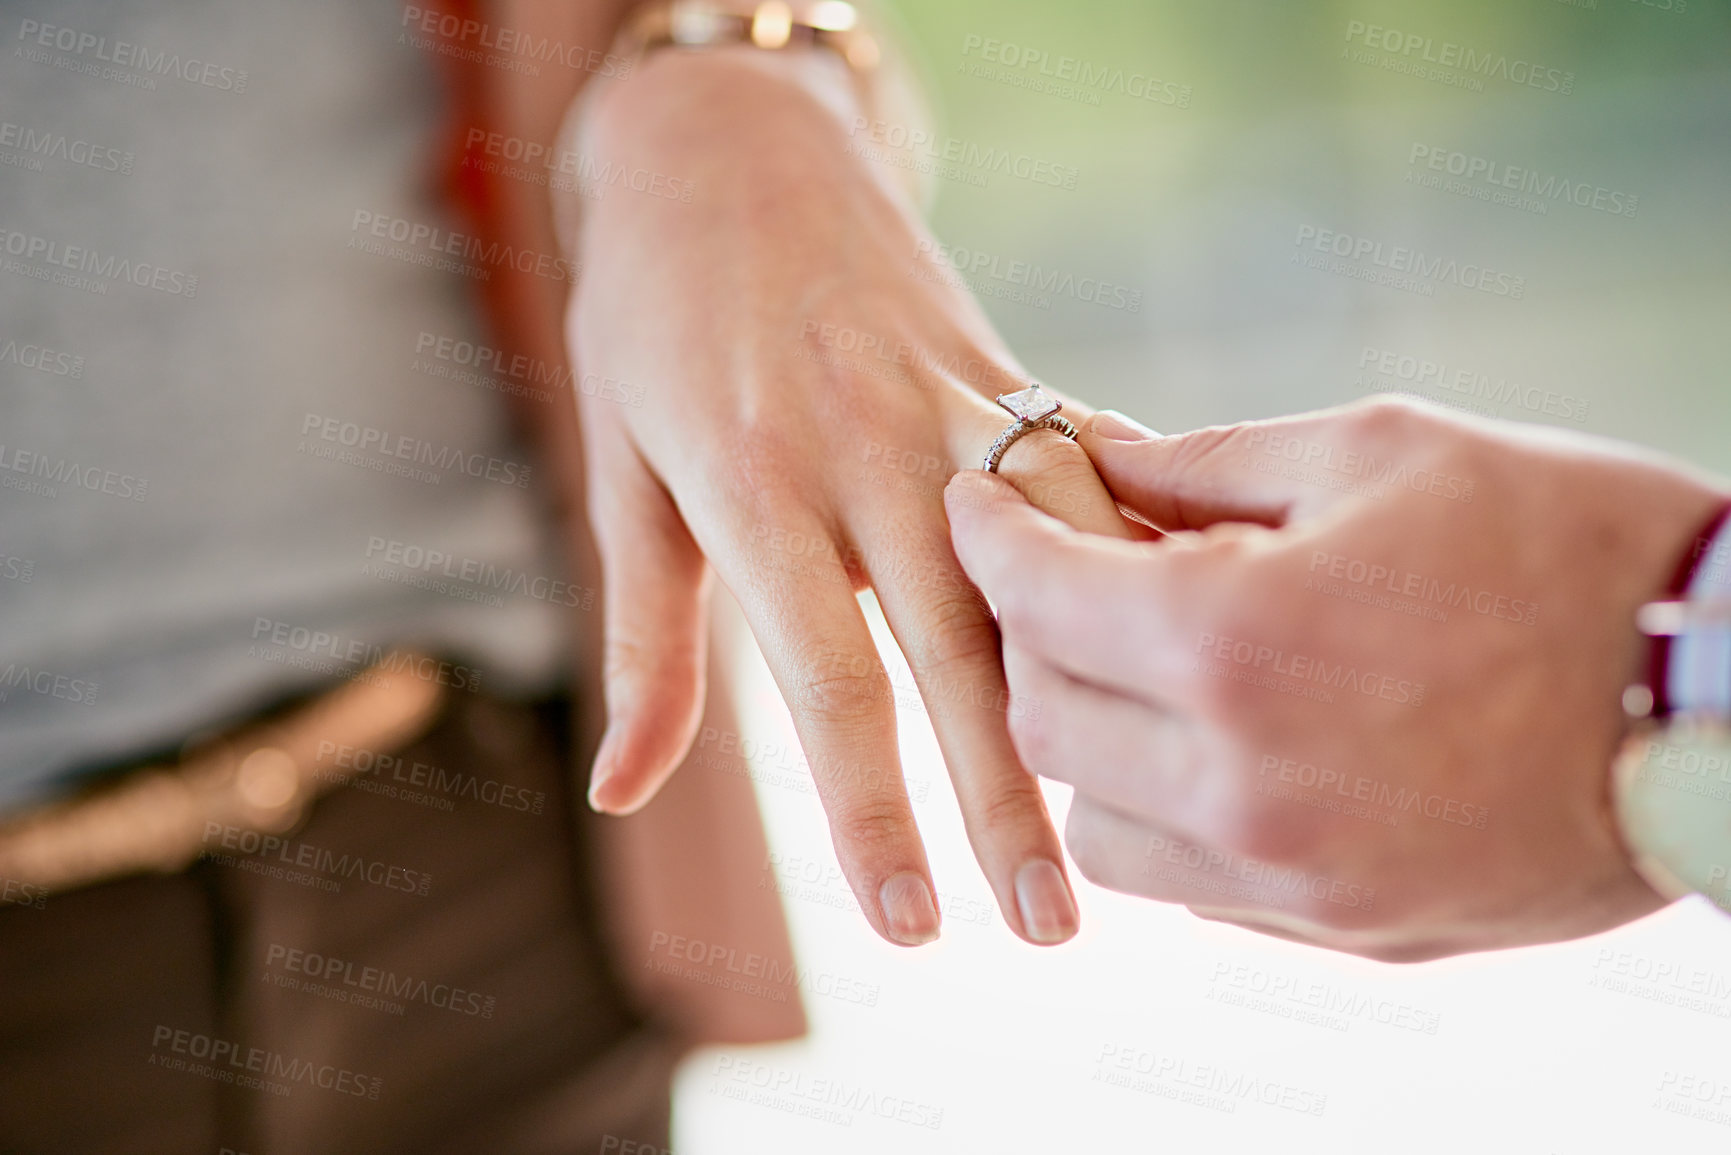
column 247, row 437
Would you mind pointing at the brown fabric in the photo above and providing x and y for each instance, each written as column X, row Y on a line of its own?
column 135, row 1012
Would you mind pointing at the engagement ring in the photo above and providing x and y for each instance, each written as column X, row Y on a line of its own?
column 1033, row 408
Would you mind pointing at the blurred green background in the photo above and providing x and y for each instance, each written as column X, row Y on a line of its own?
column 1198, row 207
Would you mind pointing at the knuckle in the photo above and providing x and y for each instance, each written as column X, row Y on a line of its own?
column 1268, row 834
column 1385, row 415
column 1031, row 735
column 960, row 637
column 1193, row 453
column 756, row 472
column 1021, row 607
column 1216, row 697
column 843, row 697
column 864, row 826
column 1089, row 865
column 630, row 660
column 624, row 657
column 1233, row 644
column 1218, row 692
column 1084, row 852
column 1013, row 805
column 1084, row 840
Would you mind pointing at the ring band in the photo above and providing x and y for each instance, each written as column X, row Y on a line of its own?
column 1033, row 408
column 1009, row 436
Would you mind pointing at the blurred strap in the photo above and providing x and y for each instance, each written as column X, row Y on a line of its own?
column 260, row 777
column 1676, row 676
column 1673, row 810
column 767, row 24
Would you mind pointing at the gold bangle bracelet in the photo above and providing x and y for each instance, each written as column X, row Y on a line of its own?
column 767, row 24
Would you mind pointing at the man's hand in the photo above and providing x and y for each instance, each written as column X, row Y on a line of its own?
column 783, row 381
column 1366, row 693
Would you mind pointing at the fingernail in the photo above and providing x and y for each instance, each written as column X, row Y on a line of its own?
column 1114, row 426
column 909, row 912
column 1048, row 911
column 603, row 771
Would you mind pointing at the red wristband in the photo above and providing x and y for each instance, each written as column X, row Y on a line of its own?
column 1688, row 565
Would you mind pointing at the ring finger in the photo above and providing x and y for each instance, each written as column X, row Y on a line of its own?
column 1051, row 470
column 946, row 631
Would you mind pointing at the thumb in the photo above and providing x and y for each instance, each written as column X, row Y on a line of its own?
column 992, row 526
column 1222, row 473
column 655, row 585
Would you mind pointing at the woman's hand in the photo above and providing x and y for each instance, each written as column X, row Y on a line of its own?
column 809, row 382
column 1368, row 694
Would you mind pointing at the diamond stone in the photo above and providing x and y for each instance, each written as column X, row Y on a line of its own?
column 1030, row 404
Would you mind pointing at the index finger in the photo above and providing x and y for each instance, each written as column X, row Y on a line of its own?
column 1118, row 614
column 1261, row 472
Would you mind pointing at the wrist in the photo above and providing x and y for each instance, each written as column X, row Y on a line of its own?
column 729, row 107
column 787, row 117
